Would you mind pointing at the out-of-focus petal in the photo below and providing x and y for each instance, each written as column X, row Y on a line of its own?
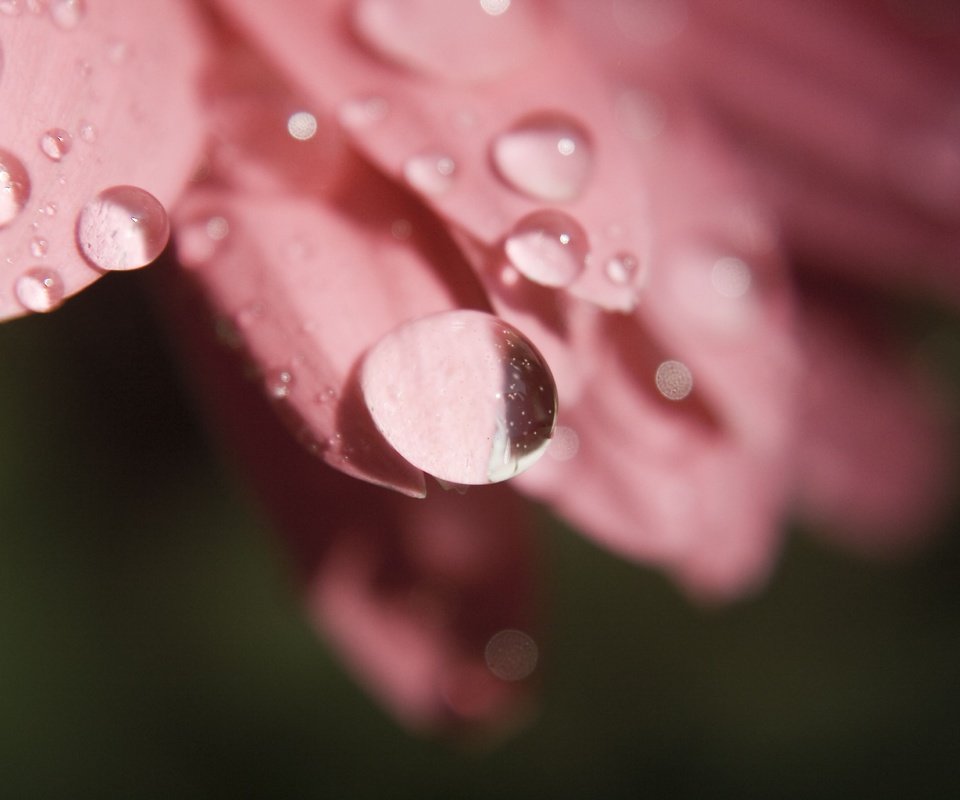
column 95, row 95
column 415, row 594
column 873, row 452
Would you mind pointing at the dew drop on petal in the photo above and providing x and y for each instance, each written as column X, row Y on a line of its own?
column 430, row 173
column 14, row 187
column 548, row 247
column 67, row 14
column 278, row 383
column 39, row 247
column 363, row 112
column 39, row 289
column 730, row 277
column 621, row 268
column 88, row 132
column 302, row 126
column 55, row 143
column 461, row 395
column 511, row 655
column 459, row 40
column 123, row 227
column 199, row 240
column 674, row 380
column 547, row 156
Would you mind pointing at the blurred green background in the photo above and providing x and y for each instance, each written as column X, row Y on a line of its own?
column 151, row 647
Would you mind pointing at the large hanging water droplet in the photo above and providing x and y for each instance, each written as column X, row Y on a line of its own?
column 547, row 156
column 14, row 187
column 462, row 40
column 67, row 14
column 39, row 289
column 548, row 247
column 430, row 173
column 461, row 395
column 123, row 227
column 55, row 143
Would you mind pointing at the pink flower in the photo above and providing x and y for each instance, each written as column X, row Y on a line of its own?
column 417, row 223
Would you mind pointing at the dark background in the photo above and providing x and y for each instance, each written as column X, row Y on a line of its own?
column 150, row 645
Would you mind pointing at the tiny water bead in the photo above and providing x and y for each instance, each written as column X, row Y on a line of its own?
column 730, row 277
column 278, row 383
column 511, row 655
column 39, row 247
column 621, row 268
column 123, row 227
column 430, row 173
column 547, row 156
column 67, row 14
column 461, row 395
column 39, row 289
column 302, row 125
column 674, row 380
column 548, row 247
column 55, row 143
column 14, row 187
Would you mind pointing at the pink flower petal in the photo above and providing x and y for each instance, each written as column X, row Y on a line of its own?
column 94, row 96
column 411, row 592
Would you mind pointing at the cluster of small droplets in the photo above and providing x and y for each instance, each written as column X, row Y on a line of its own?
column 279, row 383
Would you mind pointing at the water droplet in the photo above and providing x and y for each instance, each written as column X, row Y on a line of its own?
column 88, row 132
column 302, row 126
column 511, row 655
column 547, row 156
column 430, row 173
column 459, row 40
column 400, row 229
column 674, row 380
column 461, row 395
column 39, row 289
column 123, row 227
column 38, row 247
column 548, row 247
column 362, row 112
column 621, row 268
column 640, row 116
column 14, row 187
column 67, row 14
column 279, row 382
column 730, row 277
column 55, row 143
column 199, row 240
column 328, row 395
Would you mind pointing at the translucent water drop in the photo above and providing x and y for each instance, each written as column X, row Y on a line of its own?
column 461, row 395
column 55, row 143
column 362, row 112
column 302, row 125
column 279, row 382
column 200, row 239
column 88, row 132
column 430, row 173
column 548, row 247
column 621, row 268
column 67, row 14
column 123, row 227
column 511, row 655
column 730, row 277
column 39, row 289
column 14, row 187
column 459, row 40
column 38, row 247
column 674, row 380
column 547, row 156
